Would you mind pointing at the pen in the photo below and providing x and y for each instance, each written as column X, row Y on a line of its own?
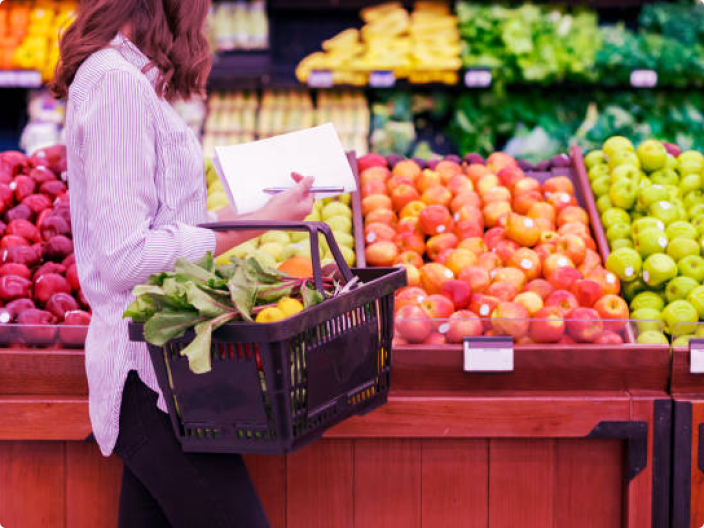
column 276, row 190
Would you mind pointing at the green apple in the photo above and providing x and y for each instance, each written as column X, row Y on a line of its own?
column 344, row 239
column 698, row 223
column 625, row 263
column 636, row 214
column 615, row 143
column 277, row 237
column 618, row 231
column 681, row 229
column 647, row 319
column 651, row 337
column 633, row 288
column 621, row 242
column 623, row 193
column 297, row 249
column 348, row 255
column 675, row 192
column 652, row 194
column 627, row 172
column 700, row 331
column 597, row 171
column 614, row 216
column 692, row 266
column 690, row 182
column 298, row 236
column 694, row 199
column 265, row 258
column 647, row 299
column 335, row 209
column 601, row 185
column 274, row 249
column 652, row 155
column 314, row 216
column 665, row 211
column 696, row 299
column 658, row 269
column 665, row 177
column 340, row 223
column 595, row 157
column 682, row 341
column 623, row 157
column 245, row 249
column 680, row 317
column 689, row 162
column 679, row 288
column 691, row 155
column 603, row 203
column 697, row 209
column 647, row 222
column 650, row 241
column 345, row 198
column 671, row 162
column 679, row 248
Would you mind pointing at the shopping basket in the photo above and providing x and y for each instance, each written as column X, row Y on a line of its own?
column 277, row 387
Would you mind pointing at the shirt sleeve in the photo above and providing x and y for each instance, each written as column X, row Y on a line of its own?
column 121, row 200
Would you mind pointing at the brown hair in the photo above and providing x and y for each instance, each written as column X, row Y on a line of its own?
column 168, row 32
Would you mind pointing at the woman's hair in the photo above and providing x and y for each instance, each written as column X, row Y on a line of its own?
column 168, row 32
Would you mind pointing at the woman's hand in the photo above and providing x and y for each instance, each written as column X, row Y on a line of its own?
column 293, row 205
column 290, row 206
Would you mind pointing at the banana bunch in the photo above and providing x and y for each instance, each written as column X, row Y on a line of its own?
column 422, row 46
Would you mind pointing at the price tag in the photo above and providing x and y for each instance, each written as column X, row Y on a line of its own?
column 20, row 79
column 488, row 354
column 644, row 78
column 320, row 79
column 477, row 78
column 382, row 79
column 696, row 356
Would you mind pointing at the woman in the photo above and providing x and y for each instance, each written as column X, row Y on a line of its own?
column 137, row 194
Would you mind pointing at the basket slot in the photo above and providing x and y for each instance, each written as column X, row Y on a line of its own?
column 204, row 432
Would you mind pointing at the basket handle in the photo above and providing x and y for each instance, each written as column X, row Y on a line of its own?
column 313, row 229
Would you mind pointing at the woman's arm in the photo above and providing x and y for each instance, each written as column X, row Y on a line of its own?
column 119, row 194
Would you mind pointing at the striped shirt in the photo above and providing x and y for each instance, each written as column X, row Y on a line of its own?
column 137, row 183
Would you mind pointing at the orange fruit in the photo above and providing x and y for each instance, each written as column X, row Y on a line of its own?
column 300, row 267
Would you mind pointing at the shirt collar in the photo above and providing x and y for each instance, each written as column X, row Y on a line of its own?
column 132, row 54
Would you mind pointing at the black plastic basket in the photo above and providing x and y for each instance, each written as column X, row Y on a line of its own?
column 277, row 387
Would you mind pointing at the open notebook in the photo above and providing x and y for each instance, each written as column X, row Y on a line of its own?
column 247, row 170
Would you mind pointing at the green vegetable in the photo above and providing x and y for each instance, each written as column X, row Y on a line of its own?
column 205, row 297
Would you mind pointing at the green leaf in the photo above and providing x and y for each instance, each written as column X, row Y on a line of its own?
column 267, row 294
column 206, row 305
column 198, row 350
column 207, row 262
column 192, row 270
column 167, row 325
column 243, row 291
column 141, row 310
column 148, row 289
column 310, row 295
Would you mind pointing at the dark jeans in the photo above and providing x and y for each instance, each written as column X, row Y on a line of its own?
column 164, row 487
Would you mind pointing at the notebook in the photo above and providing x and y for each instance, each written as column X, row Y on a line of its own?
column 248, row 169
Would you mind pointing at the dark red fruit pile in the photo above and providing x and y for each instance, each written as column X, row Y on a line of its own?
column 38, row 279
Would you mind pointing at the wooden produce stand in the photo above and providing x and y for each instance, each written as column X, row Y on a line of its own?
column 569, row 438
column 688, row 450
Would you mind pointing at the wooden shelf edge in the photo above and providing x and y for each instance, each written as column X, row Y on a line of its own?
column 40, row 418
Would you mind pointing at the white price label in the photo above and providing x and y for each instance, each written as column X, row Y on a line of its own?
column 644, row 78
column 320, row 79
column 477, row 78
column 696, row 356
column 382, row 79
column 20, row 79
column 480, row 356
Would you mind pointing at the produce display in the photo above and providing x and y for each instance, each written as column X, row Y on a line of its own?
column 529, row 43
column 28, row 32
column 422, row 46
column 39, row 289
column 240, row 117
column 205, row 296
column 650, row 202
column 488, row 250
column 238, row 25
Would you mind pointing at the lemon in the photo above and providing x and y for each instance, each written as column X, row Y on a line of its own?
column 289, row 306
column 270, row 315
column 217, row 200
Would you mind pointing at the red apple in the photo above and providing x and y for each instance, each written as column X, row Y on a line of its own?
column 587, row 291
column 381, row 254
column 435, row 338
column 371, row 160
column 437, row 307
column 435, row 219
column 409, row 296
column 47, row 285
column 510, row 319
column 548, row 325
column 504, row 291
column 74, row 328
column 563, row 300
column 609, row 338
column 412, row 324
column 459, row 292
column 614, row 311
column 541, row 287
column 463, row 323
column 476, row 277
column 433, row 276
column 375, row 232
column 584, row 325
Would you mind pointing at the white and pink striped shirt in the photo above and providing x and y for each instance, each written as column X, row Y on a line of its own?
column 137, row 185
